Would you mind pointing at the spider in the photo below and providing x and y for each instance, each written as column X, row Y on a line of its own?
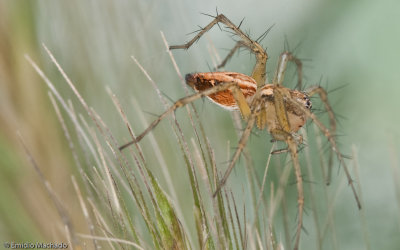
column 270, row 105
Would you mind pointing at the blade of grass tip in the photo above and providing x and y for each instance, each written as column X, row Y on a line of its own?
column 127, row 186
column 113, row 144
column 362, row 211
column 152, row 82
column 84, row 209
column 107, row 173
column 62, row 212
column 174, row 63
column 124, row 213
column 123, row 204
column 126, row 242
column 101, row 221
column 66, row 132
column 100, row 183
column 62, row 102
column 198, row 120
column 99, row 194
column 116, row 218
column 72, row 86
column 312, row 193
column 139, row 198
column 121, row 112
column 68, row 80
column 70, row 142
column 123, row 162
column 86, row 145
column 96, row 154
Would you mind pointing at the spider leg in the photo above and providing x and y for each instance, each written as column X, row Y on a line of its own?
column 259, row 70
column 332, row 121
column 241, row 146
column 182, row 102
column 238, row 45
column 334, row 147
column 292, row 141
column 284, row 58
column 292, row 145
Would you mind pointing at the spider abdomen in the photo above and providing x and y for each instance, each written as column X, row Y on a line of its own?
column 225, row 99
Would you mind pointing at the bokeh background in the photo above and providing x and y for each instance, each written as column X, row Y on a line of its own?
column 348, row 44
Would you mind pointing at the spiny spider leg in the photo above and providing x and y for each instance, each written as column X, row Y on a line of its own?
column 332, row 141
column 279, row 95
column 183, row 101
column 284, row 58
column 238, row 45
column 259, row 70
column 332, row 121
column 241, row 145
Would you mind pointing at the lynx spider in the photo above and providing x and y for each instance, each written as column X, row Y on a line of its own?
column 282, row 110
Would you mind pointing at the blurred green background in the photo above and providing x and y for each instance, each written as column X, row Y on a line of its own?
column 354, row 44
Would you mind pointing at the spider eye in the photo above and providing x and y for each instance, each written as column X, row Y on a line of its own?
column 308, row 104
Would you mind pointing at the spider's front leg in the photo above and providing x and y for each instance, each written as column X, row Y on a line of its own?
column 182, row 102
column 332, row 121
column 284, row 59
column 259, row 71
column 333, row 143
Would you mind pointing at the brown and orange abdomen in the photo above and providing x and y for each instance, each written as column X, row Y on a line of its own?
column 203, row 81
